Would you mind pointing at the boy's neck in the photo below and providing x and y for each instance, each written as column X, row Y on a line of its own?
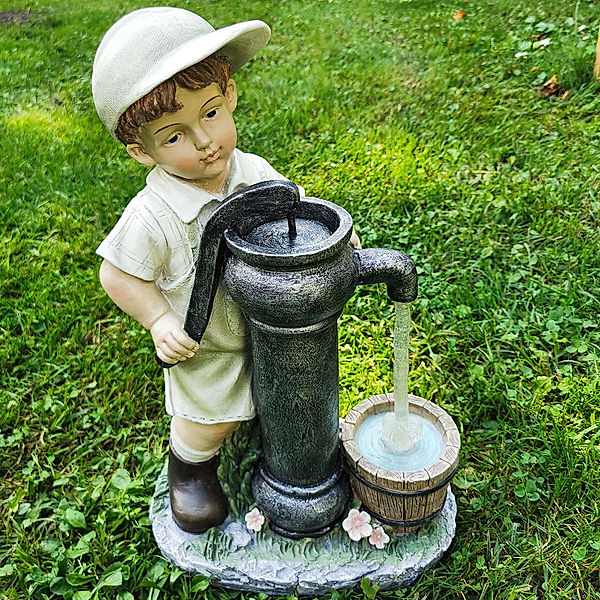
column 210, row 186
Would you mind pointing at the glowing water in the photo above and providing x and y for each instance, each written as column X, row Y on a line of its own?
column 400, row 430
column 425, row 452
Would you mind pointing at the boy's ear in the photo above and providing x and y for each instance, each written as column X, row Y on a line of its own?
column 231, row 95
column 137, row 152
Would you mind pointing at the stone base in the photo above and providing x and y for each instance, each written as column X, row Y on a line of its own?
column 265, row 562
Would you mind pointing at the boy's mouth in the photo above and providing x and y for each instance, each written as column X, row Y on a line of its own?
column 211, row 157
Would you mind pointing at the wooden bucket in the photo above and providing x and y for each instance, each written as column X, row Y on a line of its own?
column 404, row 500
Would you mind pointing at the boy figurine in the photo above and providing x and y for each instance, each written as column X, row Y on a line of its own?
column 162, row 86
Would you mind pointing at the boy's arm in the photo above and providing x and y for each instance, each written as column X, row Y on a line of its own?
column 143, row 301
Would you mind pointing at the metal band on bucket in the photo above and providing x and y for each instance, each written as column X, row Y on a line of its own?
column 402, row 494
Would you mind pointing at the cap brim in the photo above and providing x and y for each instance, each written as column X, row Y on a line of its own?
column 239, row 43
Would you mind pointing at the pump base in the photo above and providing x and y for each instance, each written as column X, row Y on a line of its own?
column 298, row 512
column 238, row 559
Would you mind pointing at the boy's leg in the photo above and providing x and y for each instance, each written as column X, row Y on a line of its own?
column 197, row 499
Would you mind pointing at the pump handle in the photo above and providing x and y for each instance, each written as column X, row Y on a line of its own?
column 241, row 212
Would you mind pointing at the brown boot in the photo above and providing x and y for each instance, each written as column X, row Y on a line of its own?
column 197, row 499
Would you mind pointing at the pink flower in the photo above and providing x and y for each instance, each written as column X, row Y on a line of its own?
column 379, row 538
column 255, row 520
column 357, row 524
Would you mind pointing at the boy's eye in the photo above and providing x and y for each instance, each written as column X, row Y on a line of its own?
column 173, row 140
column 211, row 114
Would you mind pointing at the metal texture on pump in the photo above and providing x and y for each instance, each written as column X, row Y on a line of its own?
column 291, row 287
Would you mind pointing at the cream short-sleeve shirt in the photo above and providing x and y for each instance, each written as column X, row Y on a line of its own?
column 157, row 239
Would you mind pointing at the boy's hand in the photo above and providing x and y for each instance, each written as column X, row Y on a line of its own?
column 355, row 240
column 172, row 343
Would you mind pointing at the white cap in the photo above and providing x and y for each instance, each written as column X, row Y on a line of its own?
column 148, row 46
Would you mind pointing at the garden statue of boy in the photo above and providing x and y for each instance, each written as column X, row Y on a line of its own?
column 162, row 86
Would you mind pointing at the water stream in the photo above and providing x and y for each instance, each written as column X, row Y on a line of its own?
column 401, row 431
column 400, row 440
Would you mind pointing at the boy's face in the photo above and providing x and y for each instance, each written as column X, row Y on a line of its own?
column 197, row 141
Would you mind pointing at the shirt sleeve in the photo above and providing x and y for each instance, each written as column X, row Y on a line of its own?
column 136, row 244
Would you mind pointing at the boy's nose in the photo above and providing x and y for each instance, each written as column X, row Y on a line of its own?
column 201, row 139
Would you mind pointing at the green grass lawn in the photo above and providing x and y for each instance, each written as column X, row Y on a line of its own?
column 432, row 132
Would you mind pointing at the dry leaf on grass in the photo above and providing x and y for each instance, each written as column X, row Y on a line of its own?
column 551, row 87
column 459, row 14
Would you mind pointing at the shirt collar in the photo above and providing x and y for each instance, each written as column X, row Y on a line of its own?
column 187, row 199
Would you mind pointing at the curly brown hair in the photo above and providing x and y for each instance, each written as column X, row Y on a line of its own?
column 161, row 100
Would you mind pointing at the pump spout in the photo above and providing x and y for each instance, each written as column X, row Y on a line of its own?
column 394, row 268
